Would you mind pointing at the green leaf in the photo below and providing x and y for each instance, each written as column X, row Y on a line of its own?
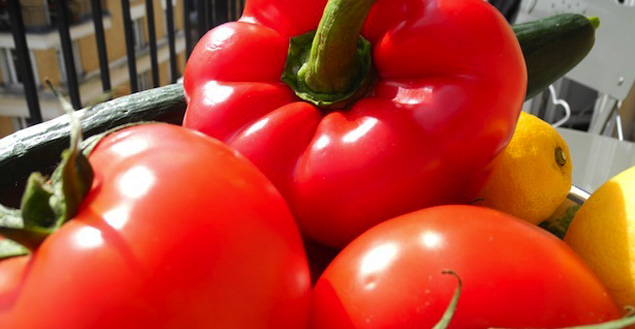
column 36, row 210
column 71, row 182
column 10, row 249
column 14, row 227
column 73, row 178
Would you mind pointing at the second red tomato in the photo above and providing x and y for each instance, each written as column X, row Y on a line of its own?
column 514, row 276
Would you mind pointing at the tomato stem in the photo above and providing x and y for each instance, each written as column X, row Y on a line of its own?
column 449, row 312
column 48, row 203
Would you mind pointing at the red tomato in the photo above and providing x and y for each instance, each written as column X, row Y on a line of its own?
column 514, row 275
column 178, row 231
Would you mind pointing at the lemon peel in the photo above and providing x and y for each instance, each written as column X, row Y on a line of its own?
column 603, row 233
column 532, row 175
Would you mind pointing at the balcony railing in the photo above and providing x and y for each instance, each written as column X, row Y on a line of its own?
column 198, row 17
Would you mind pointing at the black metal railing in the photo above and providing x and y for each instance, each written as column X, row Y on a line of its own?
column 61, row 9
column 198, row 17
column 100, row 39
column 25, row 70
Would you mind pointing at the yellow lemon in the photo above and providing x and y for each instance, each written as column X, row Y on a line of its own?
column 532, row 176
column 603, row 234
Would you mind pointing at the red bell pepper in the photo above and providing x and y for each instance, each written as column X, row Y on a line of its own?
column 361, row 129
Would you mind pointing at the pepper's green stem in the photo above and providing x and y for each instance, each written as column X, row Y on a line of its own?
column 332, row 67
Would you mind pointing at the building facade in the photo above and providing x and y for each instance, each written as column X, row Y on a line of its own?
column 46, row 53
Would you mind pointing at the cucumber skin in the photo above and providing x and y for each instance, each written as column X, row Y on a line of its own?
column 552, row 47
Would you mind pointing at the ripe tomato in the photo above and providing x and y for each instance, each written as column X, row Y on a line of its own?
column 514, row 276
column 178, row 231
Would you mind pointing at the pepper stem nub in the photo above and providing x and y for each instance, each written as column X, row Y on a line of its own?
column 332, row 64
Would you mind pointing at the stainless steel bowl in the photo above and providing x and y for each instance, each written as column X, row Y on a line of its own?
column 578, row 195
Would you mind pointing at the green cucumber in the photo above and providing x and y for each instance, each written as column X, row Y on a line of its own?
column 553, row 46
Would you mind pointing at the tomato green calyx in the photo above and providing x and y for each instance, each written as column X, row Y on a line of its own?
column 48, row 203
column 332, row 67
column 449, row 312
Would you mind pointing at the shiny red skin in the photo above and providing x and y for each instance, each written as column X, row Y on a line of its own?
column 178, row 231
column 451, row 85
column 514, row 274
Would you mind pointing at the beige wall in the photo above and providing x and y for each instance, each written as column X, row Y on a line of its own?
column 122, row 89
column 164, row 69
column 159, row 21
column 115, row 39
column 178, row 15
column 47, row 65
column 164, row 73
column 180, row 62
column 6, row 127
column 88, row 53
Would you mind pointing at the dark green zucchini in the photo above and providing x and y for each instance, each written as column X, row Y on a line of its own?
column 553, row 46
